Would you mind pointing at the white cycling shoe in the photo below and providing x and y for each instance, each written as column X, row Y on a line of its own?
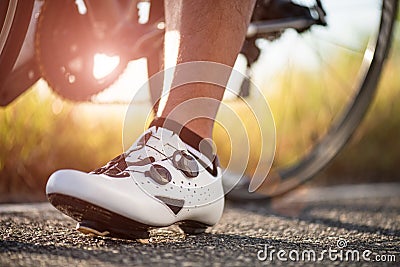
column 159, row 181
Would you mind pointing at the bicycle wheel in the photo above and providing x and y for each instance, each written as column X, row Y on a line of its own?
column 14, row 22
column 319, row 84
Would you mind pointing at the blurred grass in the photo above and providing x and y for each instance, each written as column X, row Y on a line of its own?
column 373, row 154
column 303, row 112
column 40, row 133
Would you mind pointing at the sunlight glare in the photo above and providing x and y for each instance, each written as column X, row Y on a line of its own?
column 171, row 51
column 81, row 6
column 144, row 12
column 104, row 65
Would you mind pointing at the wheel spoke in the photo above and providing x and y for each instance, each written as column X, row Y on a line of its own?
column 330, row 83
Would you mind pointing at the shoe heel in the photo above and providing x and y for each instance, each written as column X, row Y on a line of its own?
column 193, row 228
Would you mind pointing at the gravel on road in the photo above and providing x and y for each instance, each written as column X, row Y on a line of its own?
column 39, row 235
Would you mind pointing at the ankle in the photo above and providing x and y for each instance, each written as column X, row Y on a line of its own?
column 201, row 126
column 189, row 134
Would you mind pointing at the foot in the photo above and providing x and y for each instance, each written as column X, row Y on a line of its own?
column 159, row 181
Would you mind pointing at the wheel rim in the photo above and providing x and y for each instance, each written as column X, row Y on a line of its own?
column 340, row 95
column 6, row 27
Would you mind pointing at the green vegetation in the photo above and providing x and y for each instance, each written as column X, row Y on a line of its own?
column 374, row 152
column 40, row 133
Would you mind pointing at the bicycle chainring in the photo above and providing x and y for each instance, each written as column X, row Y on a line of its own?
column 65, row 48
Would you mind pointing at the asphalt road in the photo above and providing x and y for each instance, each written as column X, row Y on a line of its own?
column 327, row 223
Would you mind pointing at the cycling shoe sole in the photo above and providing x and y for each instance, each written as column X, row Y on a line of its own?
column 96, row 220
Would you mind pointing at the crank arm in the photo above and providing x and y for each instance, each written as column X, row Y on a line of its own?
column 279, row 25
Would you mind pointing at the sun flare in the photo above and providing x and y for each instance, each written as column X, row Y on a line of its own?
column 104, row 65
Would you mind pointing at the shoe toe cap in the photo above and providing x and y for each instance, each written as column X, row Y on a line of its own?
column 62, row 180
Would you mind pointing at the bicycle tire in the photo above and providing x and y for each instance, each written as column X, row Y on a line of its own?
column 14, row 26
column 286, row 178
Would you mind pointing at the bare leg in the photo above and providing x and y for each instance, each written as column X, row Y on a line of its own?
column 155, row 60
column 207, row 30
